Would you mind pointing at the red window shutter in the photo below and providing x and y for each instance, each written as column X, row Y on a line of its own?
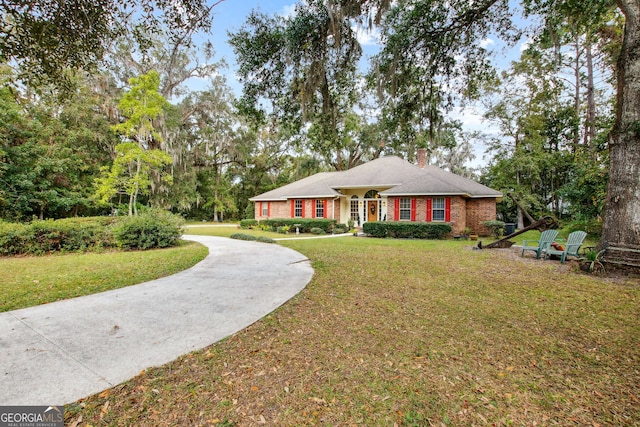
column 413, row 209
column 293, row 208
column 269, row 209
column 396, row 210
column 313, row 208
column 429, row 209
column 447, row 209
column 260, row 211
column 304, row 207
column 326, row 205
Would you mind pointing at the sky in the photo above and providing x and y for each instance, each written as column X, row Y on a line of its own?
column 231, row 14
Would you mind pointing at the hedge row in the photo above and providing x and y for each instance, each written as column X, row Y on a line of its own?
column 251, row 238
column 407, row 230
column 65, row 235
column 305, row 225
column 247, row 224
column 152, row 229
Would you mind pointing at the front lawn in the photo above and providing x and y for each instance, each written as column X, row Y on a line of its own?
column 27, row 280
column 408, row 333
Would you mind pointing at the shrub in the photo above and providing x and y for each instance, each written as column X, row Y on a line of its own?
column 248, row 224
column 317, row 230
column 151, row 229
column 339, row 230
column 407, row 230
column 283, row 229
column 593, row 227
column 242, row 236
column 304, row 224
column 13, row 238
column 496, row 228
column 265, row 239
column 63, row 235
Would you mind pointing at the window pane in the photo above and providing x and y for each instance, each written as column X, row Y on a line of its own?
column 405, row 209
column 438, row 203
column 298, row 209
column 354, row 210
column 438, row 209
column 319, row 209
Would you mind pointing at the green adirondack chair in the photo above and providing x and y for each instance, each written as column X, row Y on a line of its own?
column 546, row 238
column 571, row 246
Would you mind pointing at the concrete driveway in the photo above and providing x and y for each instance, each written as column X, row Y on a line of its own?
column 57, row 353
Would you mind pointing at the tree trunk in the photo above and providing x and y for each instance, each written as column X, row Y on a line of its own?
column 578, row 83
column 622, row 208
column 520, row 219
column 590, row 126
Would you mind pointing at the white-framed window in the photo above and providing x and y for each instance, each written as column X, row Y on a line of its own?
column 265, row 209
column 354, row 209
column 405, row 209
column 437, row 209
column 319, row 208
column 297, row 208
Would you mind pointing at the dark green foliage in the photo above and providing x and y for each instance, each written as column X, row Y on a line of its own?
column 46, row 38
column 12, row 238
column 283, row 229
column 495, row 227
column 242, row 236
column 65, row 235
column 407, row 230
column 316, row 230
column 247, row 224
column 304, row 225
column 151, row 229
column 593, row 227
column 265, row 239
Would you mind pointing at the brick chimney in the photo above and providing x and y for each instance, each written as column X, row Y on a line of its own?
column 422, row 158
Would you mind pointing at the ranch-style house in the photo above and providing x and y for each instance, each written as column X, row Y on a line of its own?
column 385, row 189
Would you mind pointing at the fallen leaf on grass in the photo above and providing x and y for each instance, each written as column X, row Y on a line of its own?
column 104, row 409
column 76, row 422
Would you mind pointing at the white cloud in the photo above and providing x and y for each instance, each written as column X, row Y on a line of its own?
column 486, row 43
column 288, row 11
column 367, row 37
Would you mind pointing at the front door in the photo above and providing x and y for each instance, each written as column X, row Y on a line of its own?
column 372, row 211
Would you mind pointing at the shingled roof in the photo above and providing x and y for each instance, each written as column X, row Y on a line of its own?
column 397, row 176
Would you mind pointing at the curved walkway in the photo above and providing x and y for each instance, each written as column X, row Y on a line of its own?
column 57, row 353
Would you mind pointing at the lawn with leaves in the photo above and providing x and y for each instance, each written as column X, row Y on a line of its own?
column 408, row 333
column 28, row 281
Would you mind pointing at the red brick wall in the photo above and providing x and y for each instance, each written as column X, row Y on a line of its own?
column 464, row 213
column 278, row 210
column 479, row 210
column 458, row 214
column 283, row 209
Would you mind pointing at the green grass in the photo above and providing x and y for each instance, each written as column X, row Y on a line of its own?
column 591, row 240
column 29, row 281
column 409, row 333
